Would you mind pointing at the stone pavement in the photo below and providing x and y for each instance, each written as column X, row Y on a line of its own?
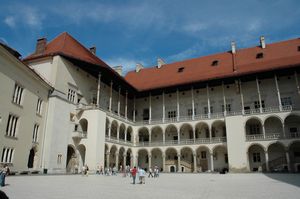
column 173, row 186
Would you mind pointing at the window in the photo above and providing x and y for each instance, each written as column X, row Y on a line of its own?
column 35, row 133
column 78, row 98
column 286, row 101
column 203, row 154
column 11, row 127
column 7, row 155
column 206, row 110
column 256, row 157
column 17, row 97
column 254, row 129
column 146, row 114
column 190, row 112
column 71, row 95
column 259, row 55
column 59, row 157
column 172, row 114
column 257, row 104
column 39, row 106
column 228, row 107
column 180, row 69
column 215, row 63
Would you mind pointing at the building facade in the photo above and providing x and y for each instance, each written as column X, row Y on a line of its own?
column 237, row 110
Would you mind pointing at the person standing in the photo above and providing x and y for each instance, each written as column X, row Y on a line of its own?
column 150, row 173
column 4, row 173
column 142, row 175
column 133, row 174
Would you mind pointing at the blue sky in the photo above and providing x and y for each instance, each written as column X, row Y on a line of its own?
column 137, row 31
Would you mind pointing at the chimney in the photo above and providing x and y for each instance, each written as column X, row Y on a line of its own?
column 160, row 62
column 93, row 50
column 138, row 67
column 233, row 47
column 262, row 42
column 118, row 69
column 41, row 45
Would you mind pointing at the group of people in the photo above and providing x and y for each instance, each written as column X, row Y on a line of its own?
column 142, row 174
column 85, row 170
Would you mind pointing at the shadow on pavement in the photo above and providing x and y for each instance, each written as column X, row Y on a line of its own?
column 290, row 178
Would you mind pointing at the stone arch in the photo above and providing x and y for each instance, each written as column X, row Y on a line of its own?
column 277, row 157
column 203, row 158
column 256, row 157
column 129, row 135
column 122, row 160
column 32, row 158
column 112, row 156
column 273, row 126
column 129, row 161
column 186, row 159
column 294, row 154
column 114, row 129
column 82, row 150
column 83, row 126
column 122, row 132
column 202, row 130
column 253, row 126
column 292, row 126
column 143, row 134
column 186, row 132
column 220, row 157
column 171, row 159
column 71, row 160
column 218, row 129
column 157, row 158
column 107, row 127
column 171, row 133
column 143, row 158
column 156, row 134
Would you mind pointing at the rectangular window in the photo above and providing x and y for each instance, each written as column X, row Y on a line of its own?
column 18, row 91
column 11, row 127
column 257, row 105
column 172, row 114
column 71, row 95
column 190, row 112
column 206, row 110
column 203, row 154
column 146, row 114
column 256, row 157
column 228, row 107
column 254, row 129
column 39, row 106
column 286, row 101
column 59, row 157
column 7, row 155
column 35, row 133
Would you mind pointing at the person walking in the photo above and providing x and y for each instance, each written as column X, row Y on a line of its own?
column 133, row 174
column 150, row 173
column 142, row 175
column 3, row 173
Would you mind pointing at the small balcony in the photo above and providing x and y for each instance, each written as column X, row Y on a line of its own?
column 273, row 136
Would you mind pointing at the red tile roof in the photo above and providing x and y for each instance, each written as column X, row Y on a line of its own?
column 275, row 56
column 65, row 44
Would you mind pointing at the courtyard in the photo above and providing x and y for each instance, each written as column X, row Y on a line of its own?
column 166, row 186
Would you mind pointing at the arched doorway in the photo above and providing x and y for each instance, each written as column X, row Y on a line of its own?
column 30, row 163
column 122, row 132
column 114, row 130
column 129, row 134
column 254, row 129
column 277, row 158
column 202, row 131
column 112, row 156
column 294, row 153
column 71, row 162
column 186, row 132
column 171, row 134
column 156, row 158
column 128, row 158
column 186, row 160
column 218, row 129
column 203, row 159
column 171, row 158
column 273, row 127
column 292, row 126
column 156, row 135
column 81, row 149
column 143, row 159
column 220, row 158
column 143, row 136
column 256, row 157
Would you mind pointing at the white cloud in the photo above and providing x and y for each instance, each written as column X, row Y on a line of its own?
column 126, row 63
column 10, row 21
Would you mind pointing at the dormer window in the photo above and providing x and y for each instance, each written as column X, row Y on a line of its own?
column 180, row 70
column 215, row 63
column 259, row 55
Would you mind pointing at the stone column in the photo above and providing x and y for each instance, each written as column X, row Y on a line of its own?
column 98, row 89
column 107, row 159
column 149, row 162
column 124, row 161
column 178, row 109
column 278, row 93
column 264, row 131
column 117, row 161
column 131, row 161
column 259, row 96
column 283, row 130
column 212, row 162
column 110, row 96
column 126, row 104
column 109, row 132
column 164, row 162
column 195, row 162
column 287, row 155
column 119, row 98
column 118, row 133
column 137, row 160
column 267, row 161
column 242, row 97
column 179, row 163
column 150, row 109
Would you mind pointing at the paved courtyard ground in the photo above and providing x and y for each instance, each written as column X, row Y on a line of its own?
column 167, row 186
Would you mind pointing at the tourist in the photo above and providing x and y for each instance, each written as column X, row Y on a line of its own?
column 86, row 170
column 133, row 174
column 101, row 170
column 150, row 172
column 3, row 173
column 83, row 170
column 142, row 174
